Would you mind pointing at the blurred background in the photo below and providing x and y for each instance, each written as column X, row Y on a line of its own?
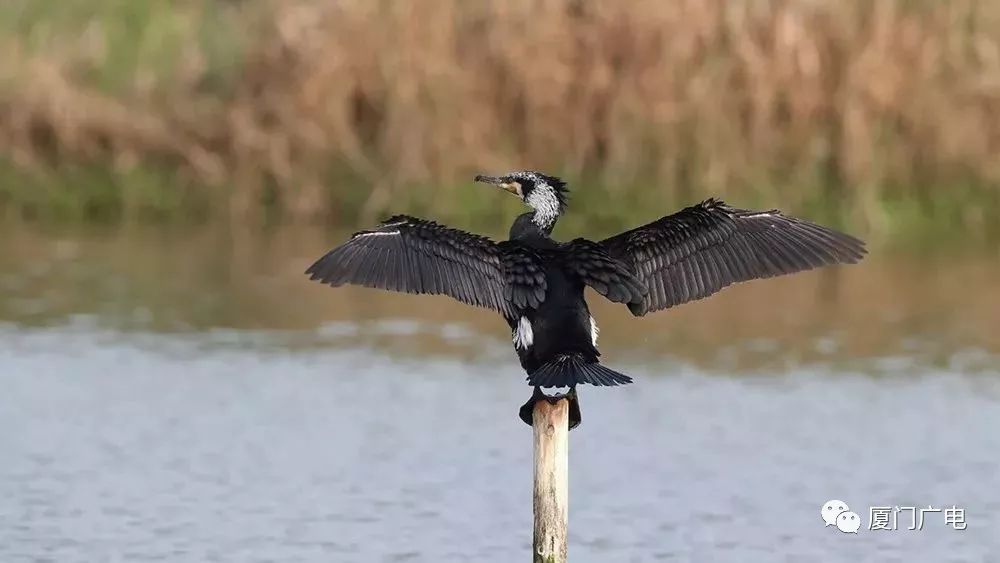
column 173, row 388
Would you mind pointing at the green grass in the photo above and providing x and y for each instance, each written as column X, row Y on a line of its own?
column 77, row 193
column 96, row 193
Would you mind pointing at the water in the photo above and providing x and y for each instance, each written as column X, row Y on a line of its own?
column 160, row 406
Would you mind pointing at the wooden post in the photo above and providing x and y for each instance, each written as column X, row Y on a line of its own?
column 551, row 429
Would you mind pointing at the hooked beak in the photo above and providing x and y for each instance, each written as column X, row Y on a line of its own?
column 512, row 187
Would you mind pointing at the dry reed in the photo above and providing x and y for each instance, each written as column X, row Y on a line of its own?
column 857, row 109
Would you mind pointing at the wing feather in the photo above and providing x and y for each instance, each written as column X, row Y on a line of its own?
column 412, row 255
column 701, row 249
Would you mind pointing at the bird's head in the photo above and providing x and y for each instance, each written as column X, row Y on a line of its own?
column 543, row 193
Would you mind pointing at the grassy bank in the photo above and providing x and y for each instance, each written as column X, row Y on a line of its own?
column 882, row 115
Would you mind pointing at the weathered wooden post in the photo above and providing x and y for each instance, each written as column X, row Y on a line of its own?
column 550, row 421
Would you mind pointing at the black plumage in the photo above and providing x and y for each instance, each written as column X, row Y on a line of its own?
column 537, row 284
column 414, row 255
column 703, row 248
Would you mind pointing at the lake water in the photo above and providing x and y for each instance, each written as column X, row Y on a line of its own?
column 191, row 397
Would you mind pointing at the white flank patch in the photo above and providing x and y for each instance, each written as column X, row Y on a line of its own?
column 523, row 335
column 379, row 234
column 594, row 331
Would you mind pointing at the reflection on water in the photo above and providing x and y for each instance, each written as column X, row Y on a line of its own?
column 933, row 310
column 191, row 397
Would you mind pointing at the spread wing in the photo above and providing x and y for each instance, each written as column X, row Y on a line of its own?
column 413, row 255
column 706, row 247
column 610, row 277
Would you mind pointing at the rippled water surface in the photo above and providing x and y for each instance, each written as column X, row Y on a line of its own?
column 160, row 403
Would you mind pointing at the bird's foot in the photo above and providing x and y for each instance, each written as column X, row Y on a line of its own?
column 528, row 408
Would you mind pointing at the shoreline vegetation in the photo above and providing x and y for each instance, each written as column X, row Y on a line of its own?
column 882, row 117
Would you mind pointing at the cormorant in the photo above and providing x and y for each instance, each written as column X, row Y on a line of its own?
column 537, row 283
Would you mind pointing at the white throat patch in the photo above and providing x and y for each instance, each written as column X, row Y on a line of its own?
column 543, row 199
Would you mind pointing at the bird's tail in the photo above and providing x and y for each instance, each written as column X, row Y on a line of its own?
column 569, row 369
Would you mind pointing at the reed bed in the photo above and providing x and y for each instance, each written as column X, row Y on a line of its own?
column 881, row 114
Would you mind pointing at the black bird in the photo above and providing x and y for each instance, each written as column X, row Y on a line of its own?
column 537, row 283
